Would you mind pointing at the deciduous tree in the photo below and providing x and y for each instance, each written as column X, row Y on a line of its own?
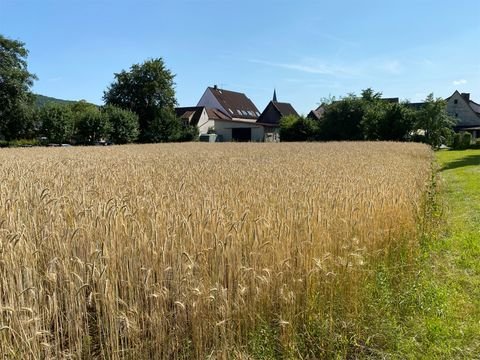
column 147, row 89
column 435, row 122
column 16, row 98
column 56, row 122
column 91, row 126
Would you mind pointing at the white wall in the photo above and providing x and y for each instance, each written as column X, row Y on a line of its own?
column 204, row 124
column 210, row 101
column 224, row 128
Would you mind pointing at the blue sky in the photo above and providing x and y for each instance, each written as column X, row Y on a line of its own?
column 308, row 50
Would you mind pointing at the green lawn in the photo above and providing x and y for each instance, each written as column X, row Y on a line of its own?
column 449, row 327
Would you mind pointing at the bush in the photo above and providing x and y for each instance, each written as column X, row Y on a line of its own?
column 188, row 133
column 466, row 140
column 457, row 141
column 462, row 140
column 476, row 145
column 123, row 124
column 293, row 128
column 91, row 126
column 24, row 143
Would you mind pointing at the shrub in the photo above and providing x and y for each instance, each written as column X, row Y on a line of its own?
column 298, row 128
column 466, row 140
column 462, row 140
column 123, row 124
column 24, row 143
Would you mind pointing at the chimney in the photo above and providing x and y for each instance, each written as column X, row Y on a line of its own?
column 466, row 96
column 215, row 87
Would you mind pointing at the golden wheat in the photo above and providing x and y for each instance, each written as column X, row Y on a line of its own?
column 194, row 250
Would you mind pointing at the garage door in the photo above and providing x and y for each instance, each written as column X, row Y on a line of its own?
column 242, row 134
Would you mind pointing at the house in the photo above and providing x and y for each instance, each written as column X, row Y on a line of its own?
column 466, row 112
column 271, row 116
column 317, row 113
column 237, row 106
column 229, row 114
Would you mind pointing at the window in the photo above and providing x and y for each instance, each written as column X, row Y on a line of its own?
column 231, row 112
column 455, row 101
column 456, row 115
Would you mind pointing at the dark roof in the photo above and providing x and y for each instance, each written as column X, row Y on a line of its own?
column 316, row 114
column 237, row 104
column 191, row 114
column 415, row 106
column 214, row 114
column 395, row 100
column 280, row 109
column 284, row 109
column 475, row 107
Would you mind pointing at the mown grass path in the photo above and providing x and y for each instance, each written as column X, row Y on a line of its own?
column 455, row 260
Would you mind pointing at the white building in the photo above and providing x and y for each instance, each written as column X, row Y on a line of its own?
column 229, row 114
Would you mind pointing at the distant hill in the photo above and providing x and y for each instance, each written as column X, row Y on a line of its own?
column 41, row 100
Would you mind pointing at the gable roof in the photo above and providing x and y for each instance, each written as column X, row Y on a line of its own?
column 280, row 109
column 475, row 107
column 284, row 109
column 470, row 103
column 237, row 105
column 214, row 114
column 191, row 114
column 317, row 113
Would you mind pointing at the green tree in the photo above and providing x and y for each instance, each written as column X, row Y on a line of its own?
column 91, row 126
column 56, row 122
column 369, row 95
column 147, row 89
column 298, row 128
column 15, row 96
column 432, row 118
column 342, row 120
column 387, row 121
column 123, row 124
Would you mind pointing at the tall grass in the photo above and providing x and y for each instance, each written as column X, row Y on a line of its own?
column 201, row 250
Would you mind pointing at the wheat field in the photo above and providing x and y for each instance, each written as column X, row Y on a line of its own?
column 195, row 251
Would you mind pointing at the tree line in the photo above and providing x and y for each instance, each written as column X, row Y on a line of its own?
column 369, row 117
column 139, row 106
